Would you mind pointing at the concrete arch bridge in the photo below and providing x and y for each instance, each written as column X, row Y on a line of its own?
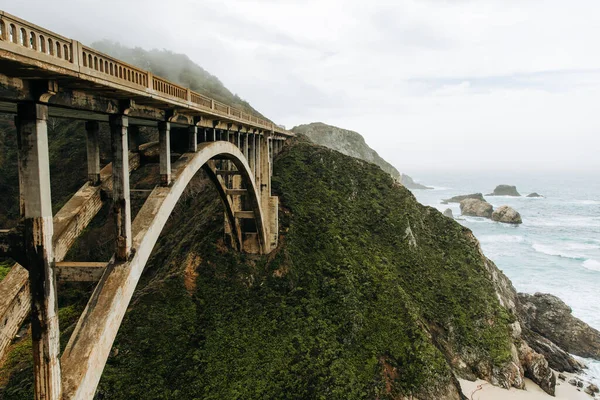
column 43, row 75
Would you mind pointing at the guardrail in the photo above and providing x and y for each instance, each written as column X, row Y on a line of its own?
column 33, row 41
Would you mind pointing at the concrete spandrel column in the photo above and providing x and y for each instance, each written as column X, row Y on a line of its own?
column 121, row 196
column 245, row 146
column 34, row 169
column 193, row 139
column 251, row 153
column 164, row 141
column 257, row 163
column 92, row 129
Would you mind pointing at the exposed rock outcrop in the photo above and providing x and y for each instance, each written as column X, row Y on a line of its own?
column 409, row 183
column 458, row 199
column 537, row 369
column 476, row 208
column 551, row 317
column 507, row 215
column 448, row 213
column 534, row 194
column 346, row 142
column 558, row 359
column 505, row 190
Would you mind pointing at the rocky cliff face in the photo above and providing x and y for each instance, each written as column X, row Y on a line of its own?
column 388, row 303
column 346, row 142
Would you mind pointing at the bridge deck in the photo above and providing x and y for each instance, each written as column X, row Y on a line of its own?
column 34, row 54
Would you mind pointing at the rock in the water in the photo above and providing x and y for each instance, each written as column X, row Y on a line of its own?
column 534, row 194
column 587, row 390
column 505, row 190
column 573, row 381
column 476, row 208
column 507, row 215
column 594, row 388
column 458, row 199
column 448, row 213
column 551, row 317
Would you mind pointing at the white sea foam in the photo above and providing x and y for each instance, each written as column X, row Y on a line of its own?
column 587, row 202
column 501, row 239
column 582, row 246
column 593, row 265
column 552, row 251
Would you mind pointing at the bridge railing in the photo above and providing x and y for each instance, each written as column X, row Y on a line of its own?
column 100, row 65
column 27, row 36
column 32, row 41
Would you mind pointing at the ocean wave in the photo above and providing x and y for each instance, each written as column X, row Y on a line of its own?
column 552, row 251
column 587, row 202
column 593, row 265
column 582, row 246
column 571, row 222
column 501, row 239
column 440, row 188
column 475, row 219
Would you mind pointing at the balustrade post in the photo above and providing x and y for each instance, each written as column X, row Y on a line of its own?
column 164, row 141
column 34, row 168
column 92, row 129
column 121, row 193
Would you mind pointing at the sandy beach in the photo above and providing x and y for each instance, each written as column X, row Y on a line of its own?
column 482, row 390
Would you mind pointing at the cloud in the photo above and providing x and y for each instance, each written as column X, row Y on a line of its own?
column 430, row 84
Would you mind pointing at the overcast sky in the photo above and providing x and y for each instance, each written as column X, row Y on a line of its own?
column 449, row 85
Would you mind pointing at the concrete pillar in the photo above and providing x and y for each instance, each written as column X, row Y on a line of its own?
column 270, row 158
column 164, row 141
column 193, row 139
column 34, row 167
column 251, row 153
column 213, row 137
column 121, row 199
column 245, row 145
column 257, row 163
column 92, row 129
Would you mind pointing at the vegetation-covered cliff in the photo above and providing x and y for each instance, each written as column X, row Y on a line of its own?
column 352, row 144
column 352, row 304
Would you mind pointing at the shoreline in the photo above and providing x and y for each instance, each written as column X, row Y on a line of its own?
column 483, row 390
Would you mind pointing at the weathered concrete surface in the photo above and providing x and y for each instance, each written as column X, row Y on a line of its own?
column 120, row 179
column 15, row 303
column 69, row 222
column 34, row 173
column 85, row 356
column 71, row 271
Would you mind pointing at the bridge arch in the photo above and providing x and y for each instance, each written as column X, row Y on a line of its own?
column 86, row 353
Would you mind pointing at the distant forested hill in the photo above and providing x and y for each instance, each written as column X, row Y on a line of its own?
column 177, row 68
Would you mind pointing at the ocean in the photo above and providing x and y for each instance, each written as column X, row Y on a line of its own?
column 557, row 248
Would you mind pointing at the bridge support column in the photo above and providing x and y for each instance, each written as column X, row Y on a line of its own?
column 245, row 145
column 121, row 199
column 252, row 153
column 35, row 171
column 92, row 129
column 193, row 139
column 164, row 140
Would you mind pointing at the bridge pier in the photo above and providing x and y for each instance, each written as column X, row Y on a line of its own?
column 92, row 129
column 34, row 169
column 164, row 140
column 121, row 195
column 193, row 139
